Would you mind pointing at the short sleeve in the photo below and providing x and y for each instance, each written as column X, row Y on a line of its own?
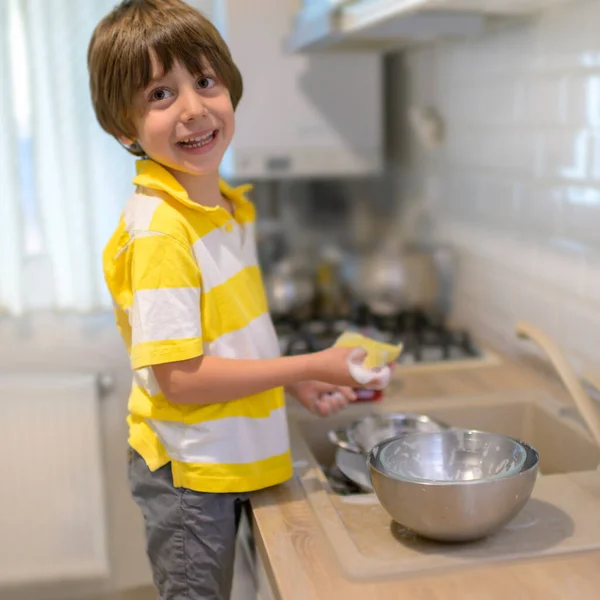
column 164, row 315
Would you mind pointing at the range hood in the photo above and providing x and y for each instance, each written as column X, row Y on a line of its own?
column 383, row 25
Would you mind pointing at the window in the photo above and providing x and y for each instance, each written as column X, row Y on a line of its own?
column 21, row 102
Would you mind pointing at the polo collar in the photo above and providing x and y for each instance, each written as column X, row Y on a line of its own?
column 152, row 175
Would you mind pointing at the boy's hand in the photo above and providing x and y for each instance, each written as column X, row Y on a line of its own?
column 332, row 366
column 320, row 398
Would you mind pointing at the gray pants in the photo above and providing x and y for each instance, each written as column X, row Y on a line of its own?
column 190, row 535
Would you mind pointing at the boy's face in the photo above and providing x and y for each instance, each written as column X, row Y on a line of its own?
column 184, row 122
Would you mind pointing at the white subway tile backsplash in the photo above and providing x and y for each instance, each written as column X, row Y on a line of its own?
column 452, row 104
column 565, row 36
column 543, row 101
column 503, row 279
column 540, row 210
column 463, row 193
column 500, row 202
column 582, row 99
column 519, row 172
column 580, row 215
column 568, row 154
column 595, row 159
column 490, row 148
column 592, row 281
column 423, row 89
column 495, row 103
column 461, row 148
column 510, row 149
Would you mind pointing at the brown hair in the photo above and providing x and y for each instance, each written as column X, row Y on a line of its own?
column 119, row 56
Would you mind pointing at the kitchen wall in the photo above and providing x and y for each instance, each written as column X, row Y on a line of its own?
column 516, row 183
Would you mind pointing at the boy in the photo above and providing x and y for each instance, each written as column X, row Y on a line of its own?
column 207, row 418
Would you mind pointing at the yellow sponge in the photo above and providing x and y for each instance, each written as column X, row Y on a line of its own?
column 378, row 353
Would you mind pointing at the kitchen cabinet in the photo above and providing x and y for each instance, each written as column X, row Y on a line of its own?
column 300, row 116
column 391, row 24
column 252, row 561
column 264, row 591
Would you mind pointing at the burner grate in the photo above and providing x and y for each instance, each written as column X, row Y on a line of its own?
column 425, row 339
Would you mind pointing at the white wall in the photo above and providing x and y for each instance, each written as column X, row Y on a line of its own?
column 516, row 184
column 50, row 343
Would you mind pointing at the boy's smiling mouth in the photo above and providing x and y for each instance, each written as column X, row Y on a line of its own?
column 195, row 142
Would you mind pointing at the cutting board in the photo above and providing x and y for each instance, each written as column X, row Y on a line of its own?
column 562, row 517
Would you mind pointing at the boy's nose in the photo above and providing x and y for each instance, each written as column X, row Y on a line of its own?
column 192, row 107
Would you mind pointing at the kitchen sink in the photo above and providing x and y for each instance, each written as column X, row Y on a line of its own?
column 561, row 517
column 553, row 428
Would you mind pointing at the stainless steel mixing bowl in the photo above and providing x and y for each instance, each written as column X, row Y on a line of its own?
column 451, row 456
column 451, row 511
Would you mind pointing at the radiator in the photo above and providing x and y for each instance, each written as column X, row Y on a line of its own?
column 52, row 505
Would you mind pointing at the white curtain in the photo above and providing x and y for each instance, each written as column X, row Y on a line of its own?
column 11, row 243
column 79, row 175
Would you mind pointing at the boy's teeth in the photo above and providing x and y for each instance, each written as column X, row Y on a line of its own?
column 196, row 142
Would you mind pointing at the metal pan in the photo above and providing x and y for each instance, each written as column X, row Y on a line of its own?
column 366, row 433
column 354, row 467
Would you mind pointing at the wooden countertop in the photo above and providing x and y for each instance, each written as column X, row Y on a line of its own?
column 300, row 562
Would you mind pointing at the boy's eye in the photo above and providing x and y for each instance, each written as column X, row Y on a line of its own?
column 159, row 94
column 206, row 82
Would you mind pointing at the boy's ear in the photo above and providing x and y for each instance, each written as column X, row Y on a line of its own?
column 125, row 140
column 132, row 145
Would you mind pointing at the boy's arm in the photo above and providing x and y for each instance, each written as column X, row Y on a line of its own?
column 166, row 333
column 210, row 380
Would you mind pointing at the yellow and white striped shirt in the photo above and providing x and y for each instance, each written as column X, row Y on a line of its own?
column 185, row 281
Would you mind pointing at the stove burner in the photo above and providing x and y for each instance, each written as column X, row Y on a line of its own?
column 424, row 339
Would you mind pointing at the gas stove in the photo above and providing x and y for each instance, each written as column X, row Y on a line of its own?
column 425, row 339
